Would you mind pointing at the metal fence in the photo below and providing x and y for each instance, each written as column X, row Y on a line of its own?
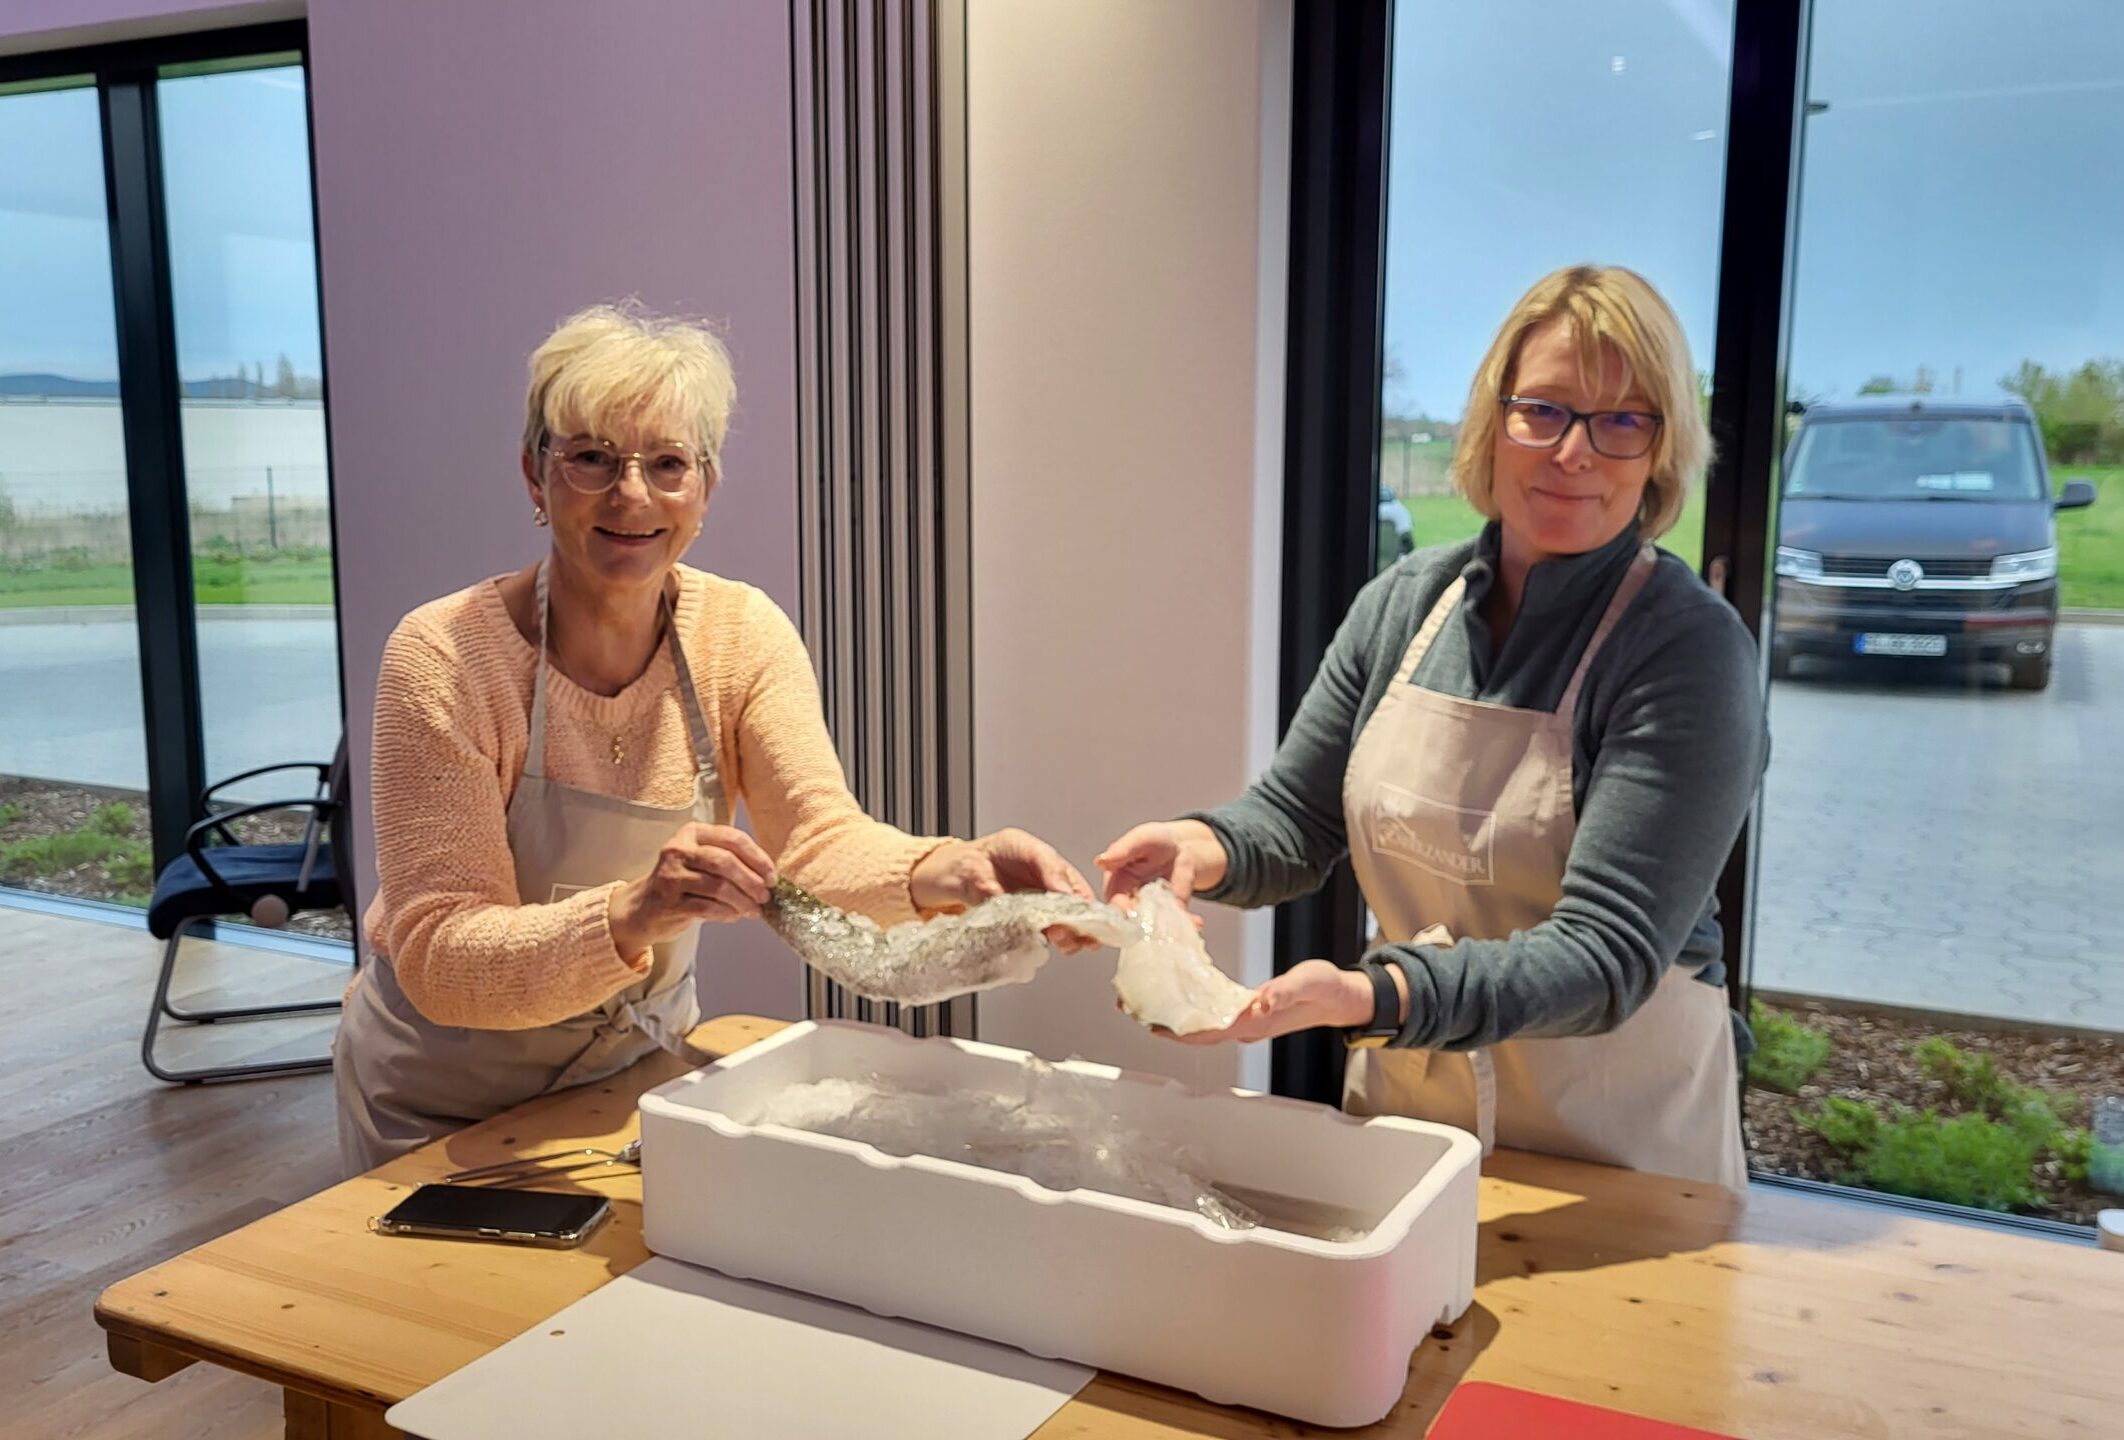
column 79, row 519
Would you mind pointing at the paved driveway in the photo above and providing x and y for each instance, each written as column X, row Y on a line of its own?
column 1932, row 843
column 70, row 697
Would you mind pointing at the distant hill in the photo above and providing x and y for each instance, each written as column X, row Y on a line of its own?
column 217, row 387
column 55, row 385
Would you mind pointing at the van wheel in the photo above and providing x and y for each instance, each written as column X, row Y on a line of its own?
column 2032, row 674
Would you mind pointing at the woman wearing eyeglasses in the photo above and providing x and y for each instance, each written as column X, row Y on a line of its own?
column 1536, row 748
column 558, row 754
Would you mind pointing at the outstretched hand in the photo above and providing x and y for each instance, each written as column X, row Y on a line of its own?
column 1308, row 995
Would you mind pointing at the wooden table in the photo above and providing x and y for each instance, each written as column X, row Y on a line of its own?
column 1778, row 1315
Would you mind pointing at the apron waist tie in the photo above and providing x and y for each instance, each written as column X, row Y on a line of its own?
column 625, row 1017
column 1485, row 1070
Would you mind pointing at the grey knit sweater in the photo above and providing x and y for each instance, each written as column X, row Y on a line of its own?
column 1669, row 744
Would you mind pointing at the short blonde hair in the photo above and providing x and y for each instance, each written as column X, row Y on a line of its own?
column 615, row 362
column 1607, row 308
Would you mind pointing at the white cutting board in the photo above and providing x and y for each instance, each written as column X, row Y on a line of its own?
column 673, row 1349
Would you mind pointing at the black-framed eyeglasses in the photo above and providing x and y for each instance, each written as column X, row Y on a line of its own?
column 594, row 465
column 1542, row 425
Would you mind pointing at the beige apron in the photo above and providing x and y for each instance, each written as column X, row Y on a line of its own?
column 403, row 1080
column 1460, row 823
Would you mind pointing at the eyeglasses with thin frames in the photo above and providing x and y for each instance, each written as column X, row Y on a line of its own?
column 593, row 465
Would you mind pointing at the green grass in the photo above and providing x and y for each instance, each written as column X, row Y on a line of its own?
column 129, row 861
column 10, row 813
column 2091, row 542
column 1787, row 1053
column 216, row 580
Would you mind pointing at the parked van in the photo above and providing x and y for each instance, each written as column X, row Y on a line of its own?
column 1920, row 525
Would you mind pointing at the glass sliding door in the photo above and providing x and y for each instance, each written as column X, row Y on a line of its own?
column 74, row 808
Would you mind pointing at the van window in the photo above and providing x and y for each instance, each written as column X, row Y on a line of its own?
column 1885, row 457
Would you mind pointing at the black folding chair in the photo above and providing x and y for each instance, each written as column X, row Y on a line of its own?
column 264, row 883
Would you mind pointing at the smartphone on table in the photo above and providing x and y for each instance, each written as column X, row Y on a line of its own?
column 492, row 1212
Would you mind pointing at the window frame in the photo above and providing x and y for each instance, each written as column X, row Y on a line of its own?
column 125, row 74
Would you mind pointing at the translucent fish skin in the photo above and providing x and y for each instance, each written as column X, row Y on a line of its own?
column 998, row 942
column 1166, row 977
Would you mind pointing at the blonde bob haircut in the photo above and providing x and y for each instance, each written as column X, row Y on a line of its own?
column 1609, row 310
column 611, row 364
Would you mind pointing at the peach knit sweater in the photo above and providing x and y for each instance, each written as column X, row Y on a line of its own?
column 453, row 705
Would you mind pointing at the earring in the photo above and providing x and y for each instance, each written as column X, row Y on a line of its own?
column 538, row 516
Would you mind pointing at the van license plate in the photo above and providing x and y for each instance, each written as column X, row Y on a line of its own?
column 1900, row 644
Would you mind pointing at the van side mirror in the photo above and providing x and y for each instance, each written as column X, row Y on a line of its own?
column 2078, row 495
column 1795, row 407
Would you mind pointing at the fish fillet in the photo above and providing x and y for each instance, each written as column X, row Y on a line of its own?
column 1166, row 977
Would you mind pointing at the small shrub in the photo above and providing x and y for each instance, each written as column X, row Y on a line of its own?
column 1849, row 1125
column 1976, row 1083
column 1969, row 1159
column 2075, row 1150
column 134, row 868
column 115, row 818
column 10, row 813
column 1787, row 1053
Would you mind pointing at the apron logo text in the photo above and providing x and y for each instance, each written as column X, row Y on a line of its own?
column 1449, row 841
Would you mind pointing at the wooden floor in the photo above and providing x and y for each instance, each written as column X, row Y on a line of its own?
column 104, row 1170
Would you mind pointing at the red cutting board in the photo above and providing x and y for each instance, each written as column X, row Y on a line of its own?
column 1478, row 1410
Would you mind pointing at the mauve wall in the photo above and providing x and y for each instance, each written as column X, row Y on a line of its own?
column 485, row 167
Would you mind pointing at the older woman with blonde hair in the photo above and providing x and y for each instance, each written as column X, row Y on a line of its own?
column 558, row 754
column 1536, row 747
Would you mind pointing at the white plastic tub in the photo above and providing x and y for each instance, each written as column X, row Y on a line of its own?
column 1314, row 1329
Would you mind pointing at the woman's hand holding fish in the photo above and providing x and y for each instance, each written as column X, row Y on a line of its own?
column 962, row 873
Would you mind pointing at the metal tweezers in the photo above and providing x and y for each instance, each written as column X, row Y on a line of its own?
column 530, row 1166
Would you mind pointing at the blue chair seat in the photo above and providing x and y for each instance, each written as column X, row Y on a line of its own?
column 185, row 892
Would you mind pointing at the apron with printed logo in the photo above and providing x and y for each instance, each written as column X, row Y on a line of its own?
column 1460, row 824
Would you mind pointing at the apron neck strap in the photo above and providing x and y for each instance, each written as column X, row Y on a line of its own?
column 1633, row 581
column 689, row 698
column 535, row 759
column 1440, row 612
